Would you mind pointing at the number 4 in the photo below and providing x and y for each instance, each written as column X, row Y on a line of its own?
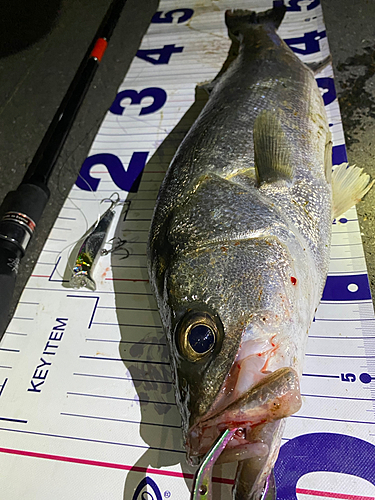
column 164, row 54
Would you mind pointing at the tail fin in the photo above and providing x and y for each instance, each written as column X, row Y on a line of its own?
column 349, row 185
column 239, row 20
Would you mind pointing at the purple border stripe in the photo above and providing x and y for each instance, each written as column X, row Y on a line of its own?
column 339, row 155
column 337, row 288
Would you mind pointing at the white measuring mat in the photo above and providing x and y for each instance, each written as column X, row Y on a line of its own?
column 86, row 403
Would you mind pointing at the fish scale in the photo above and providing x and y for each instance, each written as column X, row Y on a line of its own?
column 221, row 242
column 239, row 247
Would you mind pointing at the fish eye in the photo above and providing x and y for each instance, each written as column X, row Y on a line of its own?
column 201, row 338
column 197, row 335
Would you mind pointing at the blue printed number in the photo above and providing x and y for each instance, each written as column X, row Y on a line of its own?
column 159, row 96
column 348, row 377
column 328, row 85
column 310, row 40
column 322, row 452
column 127, row 180
column 294, row 7
column 139, row 495
column 168, row 17
column 164, row 54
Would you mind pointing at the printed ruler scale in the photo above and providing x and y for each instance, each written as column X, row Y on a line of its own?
column 87, row 406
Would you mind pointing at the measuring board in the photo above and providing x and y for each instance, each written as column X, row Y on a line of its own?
column 87, row 406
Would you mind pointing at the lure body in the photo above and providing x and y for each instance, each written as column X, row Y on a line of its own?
column 90, row 251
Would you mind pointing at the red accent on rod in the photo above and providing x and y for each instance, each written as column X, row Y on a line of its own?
column 99, row 48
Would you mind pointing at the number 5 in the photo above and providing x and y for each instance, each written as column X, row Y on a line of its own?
column 348, row 377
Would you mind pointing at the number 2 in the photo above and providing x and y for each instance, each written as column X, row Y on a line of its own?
column 127, row 180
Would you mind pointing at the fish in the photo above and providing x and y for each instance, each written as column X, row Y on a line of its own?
column 92, row 248
column 239, row 246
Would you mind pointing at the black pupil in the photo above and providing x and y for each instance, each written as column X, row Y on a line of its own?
column 201, row 338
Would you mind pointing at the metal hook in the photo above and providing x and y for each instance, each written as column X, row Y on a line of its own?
column 114, row 202
column 269, row 491
column 119, row 244
column 202, row 487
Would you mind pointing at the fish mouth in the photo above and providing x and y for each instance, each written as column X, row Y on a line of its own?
column 275, row 397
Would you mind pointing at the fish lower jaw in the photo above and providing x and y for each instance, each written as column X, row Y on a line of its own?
column 243, row 452
column 240, row 447
column 274, row 398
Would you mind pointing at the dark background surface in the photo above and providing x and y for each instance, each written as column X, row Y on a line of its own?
column 43, row 42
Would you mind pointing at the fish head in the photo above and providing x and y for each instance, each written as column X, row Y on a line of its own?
column 227, row 310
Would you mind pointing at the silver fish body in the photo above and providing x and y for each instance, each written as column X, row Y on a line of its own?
column 239, row 249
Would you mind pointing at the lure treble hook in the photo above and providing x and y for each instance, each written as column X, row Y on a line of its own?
column 114, row 202
column 118, row 243
column 202, row 487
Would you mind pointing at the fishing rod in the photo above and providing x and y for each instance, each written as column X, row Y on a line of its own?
column 22, row 209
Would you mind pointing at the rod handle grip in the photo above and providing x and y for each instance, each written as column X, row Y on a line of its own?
column 10, row 257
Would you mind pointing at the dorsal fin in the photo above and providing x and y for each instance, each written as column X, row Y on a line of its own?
column 271, row 149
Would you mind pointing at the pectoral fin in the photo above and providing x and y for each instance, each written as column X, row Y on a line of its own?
column 271, row 149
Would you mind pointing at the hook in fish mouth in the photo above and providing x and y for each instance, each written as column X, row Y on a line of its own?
column 269, row 490
column 202, row 486
column 277, row 396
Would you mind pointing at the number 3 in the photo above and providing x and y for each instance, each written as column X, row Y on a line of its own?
column 159, row 96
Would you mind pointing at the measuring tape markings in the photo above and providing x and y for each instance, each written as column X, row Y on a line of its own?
column 135, row 222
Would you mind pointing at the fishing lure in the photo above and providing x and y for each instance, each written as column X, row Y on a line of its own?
column 202, row 487
column 92, row 247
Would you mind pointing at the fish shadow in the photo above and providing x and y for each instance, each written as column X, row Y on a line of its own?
column 143, row 346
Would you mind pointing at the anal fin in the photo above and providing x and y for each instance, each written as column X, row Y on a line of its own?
column 271, row 149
